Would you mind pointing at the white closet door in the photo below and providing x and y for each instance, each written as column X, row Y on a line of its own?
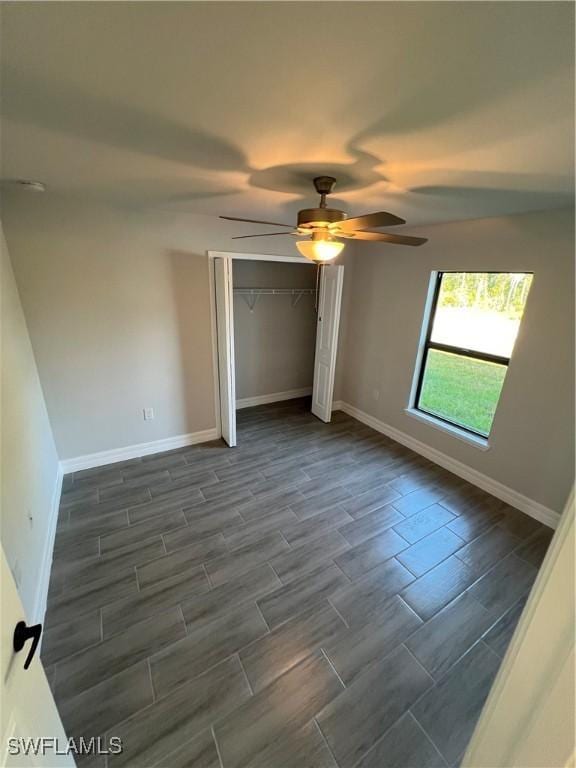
column 225, row 328
column 329, row 304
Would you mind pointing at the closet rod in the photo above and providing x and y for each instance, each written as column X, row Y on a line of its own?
column 251, row 295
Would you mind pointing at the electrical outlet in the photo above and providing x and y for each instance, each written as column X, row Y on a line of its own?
column 376, row 394
column 148, row 414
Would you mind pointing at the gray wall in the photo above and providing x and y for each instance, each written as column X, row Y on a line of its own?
column 29, row 462
column 118, row 308
column 275, row 342
column 532, row 440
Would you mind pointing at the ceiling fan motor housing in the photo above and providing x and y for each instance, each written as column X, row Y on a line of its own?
column 318, row 217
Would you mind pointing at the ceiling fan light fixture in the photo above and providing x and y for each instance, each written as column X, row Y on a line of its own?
column 321, row 248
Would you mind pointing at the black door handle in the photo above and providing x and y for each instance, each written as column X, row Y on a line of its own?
column 22, row 633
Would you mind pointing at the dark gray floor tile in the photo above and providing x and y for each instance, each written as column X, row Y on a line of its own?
column 97, row 709
column 355, row 649
column 77, row 533
column 291, row 479
column 534, row 549
column 152, row 509
column 205, row 647
column 415, row 501
column 248, row 586
column 303, row 748
column 482, row 553
column 354, row 722
column 117, row 563
column 154, row 463
column 75, row 551
column 359, row 560
column 308, row 556
column 186, row 477
column 519, row 524
column 86, row 514
column 195, row 476
column 369, row 525
column 181, row 561
column 125, row 495
column 227, row 488
column 101, row 477
column 302, row 593
column 91, row 666
column 169, row 521
column 76, row 602
column 358, row 603
column 430, row 551
column 475, row 521
column 498, row 638
column 252, row 508
column 283, row 707
column 506, row 583
column 302, row 531
column 405, row 745
column 152, row 600
column 277, row 652
column 179, row 490
column 83, row 494
column 438, row 587
column 424, row 522
column 322, row 501
column 154, row 733
column 70, row 637
column 440, row 642
column 200, row 752
column 320, row 485
column 247, row 533
column 201, row 525
column 370, row 500
column 448, row 712
column 408, row 482
column 229, row 566
column 466, row 497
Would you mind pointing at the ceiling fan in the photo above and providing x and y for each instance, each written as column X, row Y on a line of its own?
column 327, row 226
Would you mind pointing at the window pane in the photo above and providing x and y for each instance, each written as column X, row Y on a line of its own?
column 481, row 310
column 461, row 389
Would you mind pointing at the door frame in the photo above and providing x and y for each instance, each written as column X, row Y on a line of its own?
column 231, row 255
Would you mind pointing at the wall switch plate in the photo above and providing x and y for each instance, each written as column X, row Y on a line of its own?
column 148, row 414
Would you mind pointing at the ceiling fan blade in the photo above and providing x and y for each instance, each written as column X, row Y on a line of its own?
column 384, row 237
column 263, row 234
column 377, row 219
column 256, row 221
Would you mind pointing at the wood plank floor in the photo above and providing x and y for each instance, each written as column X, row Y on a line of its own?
column 319, row 596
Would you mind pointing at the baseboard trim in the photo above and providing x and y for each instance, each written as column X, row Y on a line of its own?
column 41, row 600
column 533, row 508
column 275, row 397
column 135, row 451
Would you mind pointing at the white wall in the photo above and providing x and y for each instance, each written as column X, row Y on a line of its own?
column 118, row 308
column 30, row 481
column 275, row 342
column 532, row 440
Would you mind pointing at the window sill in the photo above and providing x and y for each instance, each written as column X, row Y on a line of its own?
column 478, row 442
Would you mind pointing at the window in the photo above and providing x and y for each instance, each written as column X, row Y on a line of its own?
column 474, row 321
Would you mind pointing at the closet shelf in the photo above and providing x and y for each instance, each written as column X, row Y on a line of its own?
column 251, row 295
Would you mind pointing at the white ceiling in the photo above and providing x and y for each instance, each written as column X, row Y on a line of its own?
column 434, row 111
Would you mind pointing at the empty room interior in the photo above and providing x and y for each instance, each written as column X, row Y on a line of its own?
column 287, row 384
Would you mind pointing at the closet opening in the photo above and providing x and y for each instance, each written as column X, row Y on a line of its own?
column 275, row 323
